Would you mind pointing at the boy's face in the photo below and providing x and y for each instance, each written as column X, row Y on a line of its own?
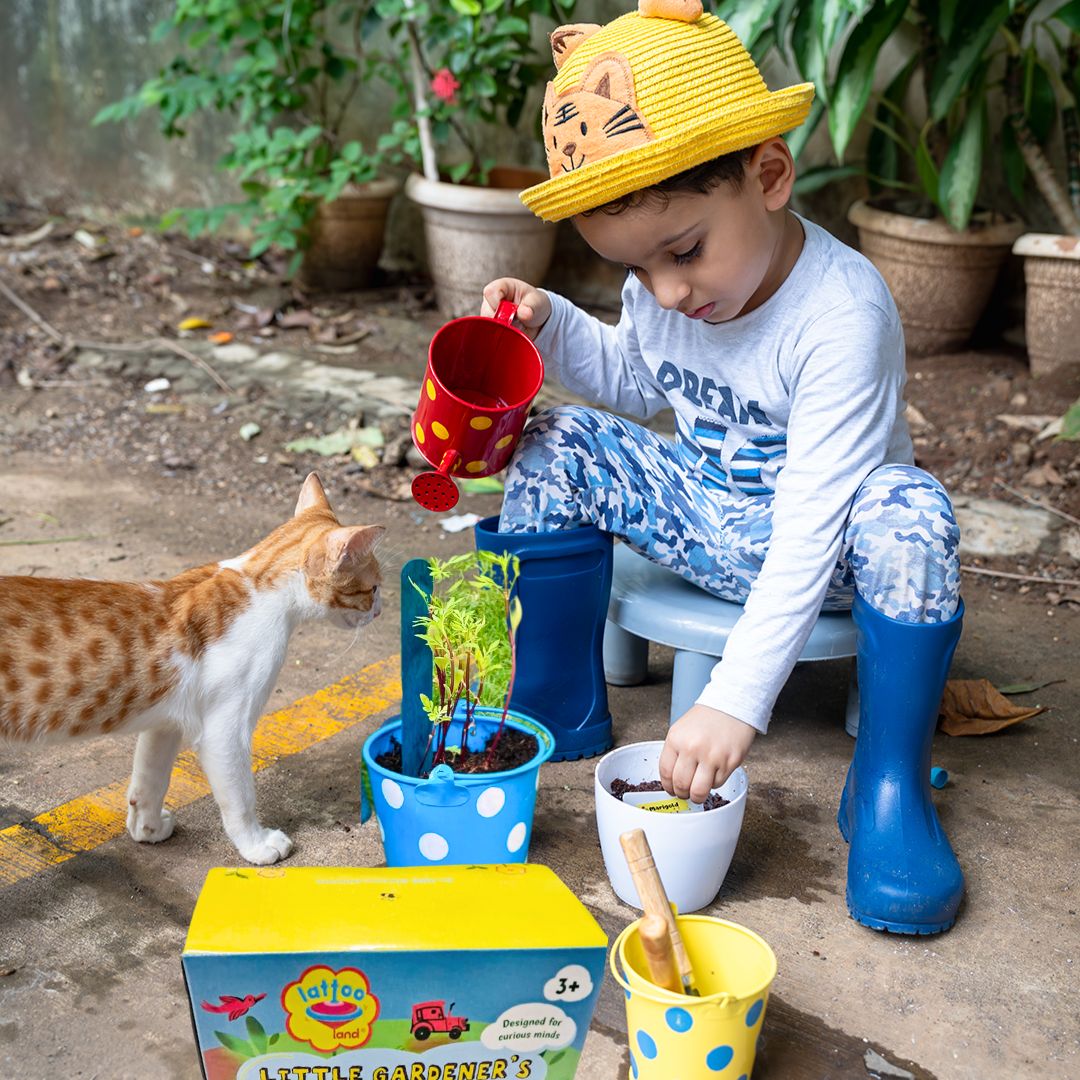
column 712, row 257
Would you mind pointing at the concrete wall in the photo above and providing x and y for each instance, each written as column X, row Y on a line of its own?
column 60, row 62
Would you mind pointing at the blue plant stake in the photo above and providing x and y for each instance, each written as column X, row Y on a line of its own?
column 416, row 666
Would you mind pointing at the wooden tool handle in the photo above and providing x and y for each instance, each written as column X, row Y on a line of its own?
column 654, row 899
column 659, row 953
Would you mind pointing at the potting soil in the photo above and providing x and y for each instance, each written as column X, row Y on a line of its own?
column 514, row 749
column 620, row 787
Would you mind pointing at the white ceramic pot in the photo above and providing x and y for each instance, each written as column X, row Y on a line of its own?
column 692, row 851
column 477, row 234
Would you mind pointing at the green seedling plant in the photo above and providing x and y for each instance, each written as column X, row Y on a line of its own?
column 471, row 629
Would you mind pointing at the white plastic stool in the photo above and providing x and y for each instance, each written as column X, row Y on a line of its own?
column 651, row 603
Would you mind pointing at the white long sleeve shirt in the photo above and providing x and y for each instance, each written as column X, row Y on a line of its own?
column 802, row 397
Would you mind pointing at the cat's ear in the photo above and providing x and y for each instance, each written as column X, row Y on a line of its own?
column 351, row 542
column 565, row 39
column 311, row 494
column 609, row 76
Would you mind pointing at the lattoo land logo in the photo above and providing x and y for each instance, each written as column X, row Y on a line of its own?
column 330, row 1009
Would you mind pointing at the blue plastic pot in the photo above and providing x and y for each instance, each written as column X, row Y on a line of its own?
column 449, row 819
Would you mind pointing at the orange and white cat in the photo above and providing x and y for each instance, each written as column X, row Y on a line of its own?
column 188, row 660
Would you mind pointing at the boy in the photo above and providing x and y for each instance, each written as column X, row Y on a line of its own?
column 790, row 483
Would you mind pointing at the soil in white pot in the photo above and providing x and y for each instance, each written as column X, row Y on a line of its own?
column 620, row 787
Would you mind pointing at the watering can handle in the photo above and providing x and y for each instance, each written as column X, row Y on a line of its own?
column 505, row 312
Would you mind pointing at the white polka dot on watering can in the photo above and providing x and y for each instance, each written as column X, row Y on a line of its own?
column 516, row 837
column 719, row 1058
column 392, row 793
column 433, row 846
column 382, row 831
column 490, row 801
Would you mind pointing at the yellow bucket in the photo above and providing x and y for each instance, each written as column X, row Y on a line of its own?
column 714, row 1035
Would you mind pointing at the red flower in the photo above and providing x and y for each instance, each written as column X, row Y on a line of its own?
column 445, row 85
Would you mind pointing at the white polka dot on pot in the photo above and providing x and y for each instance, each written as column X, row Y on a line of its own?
column 392, row 793
column 490, row 801
column 433, row 847
column 516, row 837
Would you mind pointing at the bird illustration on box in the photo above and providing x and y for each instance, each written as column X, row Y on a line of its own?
column 234, row 1006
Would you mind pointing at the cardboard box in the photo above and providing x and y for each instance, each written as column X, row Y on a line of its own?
column 428, row 973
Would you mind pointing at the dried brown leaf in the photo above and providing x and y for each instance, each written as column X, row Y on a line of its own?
column 975, row 707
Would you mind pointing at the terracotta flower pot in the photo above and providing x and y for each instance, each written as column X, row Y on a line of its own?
column 940, row 279
column 347, row 238
column 1052, row 308
column 477, row 234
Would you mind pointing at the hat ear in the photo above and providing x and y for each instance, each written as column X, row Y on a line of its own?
column 680, row 10
column 609, row 76
column 565, row 39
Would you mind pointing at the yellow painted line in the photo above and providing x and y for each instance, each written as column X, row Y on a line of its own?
column 93, row 819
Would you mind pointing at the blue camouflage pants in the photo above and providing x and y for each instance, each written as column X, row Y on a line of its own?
column 576, row 466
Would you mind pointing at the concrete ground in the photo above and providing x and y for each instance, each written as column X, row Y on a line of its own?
column 90, row 982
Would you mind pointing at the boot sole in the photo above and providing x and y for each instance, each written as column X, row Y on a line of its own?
column 919, row 929
column 588, row 752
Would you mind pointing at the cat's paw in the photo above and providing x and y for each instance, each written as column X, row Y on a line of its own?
column 268, row 848
column 148, row 828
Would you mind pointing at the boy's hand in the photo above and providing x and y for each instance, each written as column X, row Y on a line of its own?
column 533, row 306
column 703, row 748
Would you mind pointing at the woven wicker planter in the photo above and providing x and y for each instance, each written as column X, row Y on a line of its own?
column 940, row 279
column 1052, row 308
column 347, row 238
column 477, row 234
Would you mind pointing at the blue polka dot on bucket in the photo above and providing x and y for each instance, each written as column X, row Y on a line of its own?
column 719, row 1058
column 646, row 1044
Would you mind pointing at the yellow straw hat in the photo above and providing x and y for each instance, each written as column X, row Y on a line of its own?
column 647, row 96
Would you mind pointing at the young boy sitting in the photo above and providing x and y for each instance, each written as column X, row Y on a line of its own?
column 790, row 484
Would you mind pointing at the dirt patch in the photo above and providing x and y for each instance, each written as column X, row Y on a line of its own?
column 977, row 417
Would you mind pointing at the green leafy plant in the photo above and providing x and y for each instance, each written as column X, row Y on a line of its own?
column 952, row 51
column 275, row 66
column 255, row 1044
column 462, row 70
column 1041, row 100
column 471, row 629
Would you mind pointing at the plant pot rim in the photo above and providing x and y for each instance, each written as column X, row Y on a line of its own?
column 1048, row 246
column 649, row 815
column 517, row 719
column 933, row 230
column 441, row 195
column 379, row 188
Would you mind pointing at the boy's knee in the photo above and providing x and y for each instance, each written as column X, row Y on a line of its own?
column 899, row 501
column 904, row 487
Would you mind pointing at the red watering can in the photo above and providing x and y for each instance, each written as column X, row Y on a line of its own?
column 482, row 375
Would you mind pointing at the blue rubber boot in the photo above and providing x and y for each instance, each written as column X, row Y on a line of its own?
column 564, row 585
column 902, row 874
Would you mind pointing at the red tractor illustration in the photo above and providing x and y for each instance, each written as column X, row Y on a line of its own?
column 433, row 1016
